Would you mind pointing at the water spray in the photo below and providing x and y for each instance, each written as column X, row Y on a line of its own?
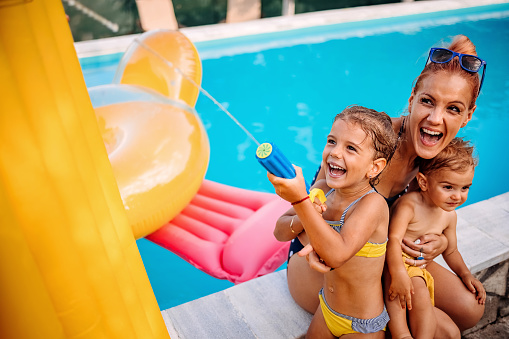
column 267, row 154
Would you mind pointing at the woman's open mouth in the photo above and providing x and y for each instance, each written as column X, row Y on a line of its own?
column 429, row 137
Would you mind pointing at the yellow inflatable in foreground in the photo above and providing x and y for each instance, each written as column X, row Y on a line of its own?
column 70, row 265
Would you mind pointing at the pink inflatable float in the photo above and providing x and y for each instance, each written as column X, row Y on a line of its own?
column 227, row 232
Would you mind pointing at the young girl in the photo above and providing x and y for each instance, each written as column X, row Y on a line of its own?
column 353, row 239
column 444, row 182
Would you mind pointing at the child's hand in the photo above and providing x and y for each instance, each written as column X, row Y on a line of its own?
column 289, row 189
column 306, row 251
column 315, row 262
column 320, row 208
column 476, row 287
column 403, row 289
column 318, row 199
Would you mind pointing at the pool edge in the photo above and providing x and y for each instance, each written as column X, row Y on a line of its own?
column 270, row 25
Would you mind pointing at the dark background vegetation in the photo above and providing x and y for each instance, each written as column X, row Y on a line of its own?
column 189, row 13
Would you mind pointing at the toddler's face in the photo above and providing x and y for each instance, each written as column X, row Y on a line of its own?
column 449, row 189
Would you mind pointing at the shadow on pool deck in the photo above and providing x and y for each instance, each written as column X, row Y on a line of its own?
column 264, row 308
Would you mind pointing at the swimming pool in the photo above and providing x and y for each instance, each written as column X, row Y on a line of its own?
column 286, row 87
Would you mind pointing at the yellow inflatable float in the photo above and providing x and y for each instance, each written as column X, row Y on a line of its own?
column 70, row 264
column 164, row 61
column 156, row 143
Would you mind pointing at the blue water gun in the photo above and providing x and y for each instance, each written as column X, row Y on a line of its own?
column 274, row 161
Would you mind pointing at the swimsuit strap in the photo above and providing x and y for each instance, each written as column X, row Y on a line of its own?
column 400, row 133
column 402, row 128
column 342, row 221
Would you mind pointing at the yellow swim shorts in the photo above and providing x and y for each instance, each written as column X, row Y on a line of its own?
column 414, row 271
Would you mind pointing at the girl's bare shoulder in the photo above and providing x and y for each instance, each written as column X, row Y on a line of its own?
column 372, row 203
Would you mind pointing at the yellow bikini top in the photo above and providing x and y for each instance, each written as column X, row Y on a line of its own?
column 370, row 249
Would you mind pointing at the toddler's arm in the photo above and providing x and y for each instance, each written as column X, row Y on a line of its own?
column 455, row 261
column 401, row 285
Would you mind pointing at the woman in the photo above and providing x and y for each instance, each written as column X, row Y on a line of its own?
column 442, row 101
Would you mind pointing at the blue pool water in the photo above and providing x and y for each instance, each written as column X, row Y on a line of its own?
column 286, row 87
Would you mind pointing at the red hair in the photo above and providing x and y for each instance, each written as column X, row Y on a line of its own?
column 460, row 44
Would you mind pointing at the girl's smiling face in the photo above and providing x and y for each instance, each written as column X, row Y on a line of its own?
column 348, row 156
column 438, row 109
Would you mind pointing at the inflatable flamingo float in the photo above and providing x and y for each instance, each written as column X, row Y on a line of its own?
column 159, row 152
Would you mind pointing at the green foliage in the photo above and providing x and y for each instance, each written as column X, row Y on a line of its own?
column 120, row 13
column 199, row 12
column 124, row 13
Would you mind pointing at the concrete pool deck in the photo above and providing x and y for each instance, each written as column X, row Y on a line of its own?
column 264, row 308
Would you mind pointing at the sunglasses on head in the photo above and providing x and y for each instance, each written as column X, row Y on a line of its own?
column 469, row 63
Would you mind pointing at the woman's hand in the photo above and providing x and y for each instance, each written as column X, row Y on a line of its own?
column 289, row 189
column 315, row 262
column 427, row 247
